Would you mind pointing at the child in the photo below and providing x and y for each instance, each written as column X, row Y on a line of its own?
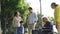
column 21, row 27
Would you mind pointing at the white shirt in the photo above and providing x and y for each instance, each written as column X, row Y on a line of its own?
column 17, row 21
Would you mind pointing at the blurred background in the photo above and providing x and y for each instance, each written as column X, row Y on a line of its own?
column 7, row 8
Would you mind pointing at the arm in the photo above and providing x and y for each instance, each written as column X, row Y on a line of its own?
column 14, row 21
column 48, row 25
column 23, row 30
column 35, row 17
column 57, row 16
column 27, row 20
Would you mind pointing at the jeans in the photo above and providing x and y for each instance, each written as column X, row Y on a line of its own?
column 18, row 30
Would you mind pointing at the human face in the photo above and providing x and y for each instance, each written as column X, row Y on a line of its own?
column 53, row 6
column 17, row 14
column 30, row 10
column 44, row 19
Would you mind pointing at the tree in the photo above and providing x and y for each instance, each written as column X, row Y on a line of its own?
column 8, row 7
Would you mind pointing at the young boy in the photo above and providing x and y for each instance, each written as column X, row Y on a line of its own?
column 22, row 27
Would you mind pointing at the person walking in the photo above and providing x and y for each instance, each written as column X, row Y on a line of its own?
column 56, row 8
column 31, row 20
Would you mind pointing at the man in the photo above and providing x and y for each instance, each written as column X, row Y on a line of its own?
column 31, row 20
column 47, row 25
column 56, row 8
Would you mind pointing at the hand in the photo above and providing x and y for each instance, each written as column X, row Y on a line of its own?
column 34, row 21
column 40, row 27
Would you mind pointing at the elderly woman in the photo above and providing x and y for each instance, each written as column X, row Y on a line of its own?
column 17, row 19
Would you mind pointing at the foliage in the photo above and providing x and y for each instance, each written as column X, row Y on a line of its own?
column 39, row 22
column 8, row 7
column 52, row 20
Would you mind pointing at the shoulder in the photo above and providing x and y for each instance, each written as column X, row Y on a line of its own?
column 34, row 13
column 48, row 22
column 58, row 7
column 20, row 17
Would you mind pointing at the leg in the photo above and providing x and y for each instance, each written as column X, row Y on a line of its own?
column 29, row 29
column 15, row 30
column 20, row 30
column 34, row 26
column 58, row 28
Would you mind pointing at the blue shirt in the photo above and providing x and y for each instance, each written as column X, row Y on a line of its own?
column 48, row 24
column 31, row 18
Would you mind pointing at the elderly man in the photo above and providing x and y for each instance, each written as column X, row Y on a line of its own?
column 56, row 8
column 31, row 20
column 47, row 25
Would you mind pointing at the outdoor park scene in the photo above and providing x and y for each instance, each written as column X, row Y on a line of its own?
column 30, row 17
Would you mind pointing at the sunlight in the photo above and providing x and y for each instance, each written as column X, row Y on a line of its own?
column 46, row 9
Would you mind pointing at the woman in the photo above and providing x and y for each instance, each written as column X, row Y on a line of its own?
column 17, row 20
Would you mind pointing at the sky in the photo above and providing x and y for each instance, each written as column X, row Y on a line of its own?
column 45, row 6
